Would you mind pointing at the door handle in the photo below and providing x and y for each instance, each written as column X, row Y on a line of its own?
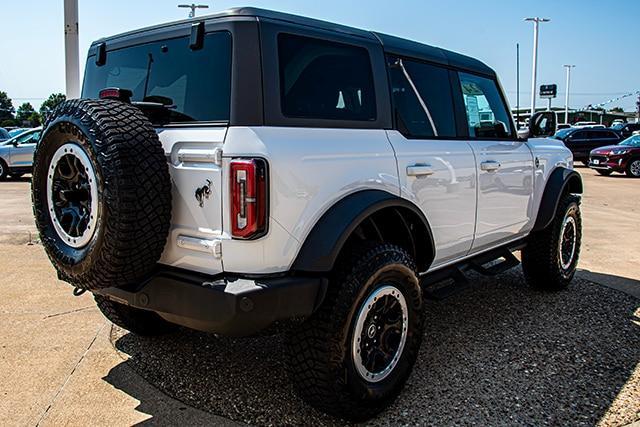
column 419, row 170
column 490, row 166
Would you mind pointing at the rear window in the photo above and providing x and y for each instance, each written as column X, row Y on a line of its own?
column 194, row 84
column 325, row 80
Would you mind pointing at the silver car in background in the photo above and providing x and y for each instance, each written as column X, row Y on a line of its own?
column 16, row 154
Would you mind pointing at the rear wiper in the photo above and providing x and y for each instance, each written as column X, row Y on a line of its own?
column 159, row 113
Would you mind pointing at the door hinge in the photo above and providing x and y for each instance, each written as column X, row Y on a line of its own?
column 217, row 156
column 217, row 249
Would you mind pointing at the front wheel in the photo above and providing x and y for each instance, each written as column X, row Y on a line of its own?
column 551, row 256
column 633, row 168
column 352, row 357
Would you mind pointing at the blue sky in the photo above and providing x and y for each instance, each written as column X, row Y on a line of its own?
column 600, row 38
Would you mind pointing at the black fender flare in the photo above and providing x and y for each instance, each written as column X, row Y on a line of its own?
column 325, row 241
column 560, row 181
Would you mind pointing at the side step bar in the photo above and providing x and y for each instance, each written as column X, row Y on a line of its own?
column 450, row 280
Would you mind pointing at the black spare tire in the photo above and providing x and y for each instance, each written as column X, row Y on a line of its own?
column 101, row 193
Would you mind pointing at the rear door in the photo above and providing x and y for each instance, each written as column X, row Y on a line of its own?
column 436, row 169
column 504, row 164
column 192, row 86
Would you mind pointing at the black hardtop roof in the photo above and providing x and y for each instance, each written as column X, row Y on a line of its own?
column 390, row 44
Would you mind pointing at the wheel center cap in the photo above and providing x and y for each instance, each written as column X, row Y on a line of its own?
column 371, row 330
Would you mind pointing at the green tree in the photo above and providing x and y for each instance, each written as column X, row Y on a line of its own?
column 617, row 110
column 24, row 112
column 6, row 106
column 35, row 118
column 52, row 102
column 8, row 122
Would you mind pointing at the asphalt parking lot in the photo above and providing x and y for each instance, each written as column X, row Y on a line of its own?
column 497, row 353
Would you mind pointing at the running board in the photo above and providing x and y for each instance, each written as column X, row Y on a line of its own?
column 506, row 261
column 448, row 281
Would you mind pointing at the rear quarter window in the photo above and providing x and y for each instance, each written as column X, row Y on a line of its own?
column 326, row 80
column 194, row 84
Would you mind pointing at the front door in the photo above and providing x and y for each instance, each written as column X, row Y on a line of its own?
column 504, row 165
column 22, row 152
column 437, row 171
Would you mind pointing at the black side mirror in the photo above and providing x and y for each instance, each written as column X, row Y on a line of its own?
column 543, row 123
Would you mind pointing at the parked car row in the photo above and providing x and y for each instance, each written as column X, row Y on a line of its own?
column 16, row 154
column 623, row 157
column 606, row 150
column 582, row 140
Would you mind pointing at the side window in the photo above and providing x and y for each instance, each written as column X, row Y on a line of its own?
column 31, row 138
column 411, row 118
column 325, row 80
column 432, row 84
column 487, row 114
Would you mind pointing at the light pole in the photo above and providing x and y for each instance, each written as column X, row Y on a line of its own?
column 518, row 85
column 193, row 8
column 71, row 49
column 566, row 95
column 536, row 21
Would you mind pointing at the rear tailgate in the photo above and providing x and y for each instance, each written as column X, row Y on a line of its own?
column 196, row 176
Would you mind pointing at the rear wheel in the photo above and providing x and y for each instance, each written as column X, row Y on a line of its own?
column 353, row 356
column 550, row 258
column 4, row 170
column 633, row 168
column 140, row 322
column 603, row 172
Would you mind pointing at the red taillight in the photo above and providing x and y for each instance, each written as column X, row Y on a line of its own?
column 123, row 95
column 248, row 198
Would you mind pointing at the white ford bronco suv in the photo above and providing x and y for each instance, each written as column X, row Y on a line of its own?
column 256, row 171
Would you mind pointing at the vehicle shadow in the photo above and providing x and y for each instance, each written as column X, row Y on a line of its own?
column 624, row 284
column 164, row 410
column 497, row 353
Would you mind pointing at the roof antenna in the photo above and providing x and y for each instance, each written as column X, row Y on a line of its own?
column 193, row 7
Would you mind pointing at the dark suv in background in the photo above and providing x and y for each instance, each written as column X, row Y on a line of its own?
column 582, row 140
column 626, row 129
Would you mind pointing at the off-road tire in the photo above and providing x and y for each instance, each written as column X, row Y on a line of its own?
column 541, row 259
column 604, row 172
column 631, row 168
column 319, row 351
column 4, row 170
column 133, row 193
column 140, row 322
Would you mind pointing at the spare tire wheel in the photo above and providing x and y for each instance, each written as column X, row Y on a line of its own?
column 101, row 193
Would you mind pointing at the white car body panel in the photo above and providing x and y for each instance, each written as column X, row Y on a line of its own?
column 447, row 197
column 504, row 195
column 190, row 152
column 312, row 169
column 551, row 153
column 309, row 171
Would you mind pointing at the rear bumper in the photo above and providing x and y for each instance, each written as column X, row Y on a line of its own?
column 223, row 305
